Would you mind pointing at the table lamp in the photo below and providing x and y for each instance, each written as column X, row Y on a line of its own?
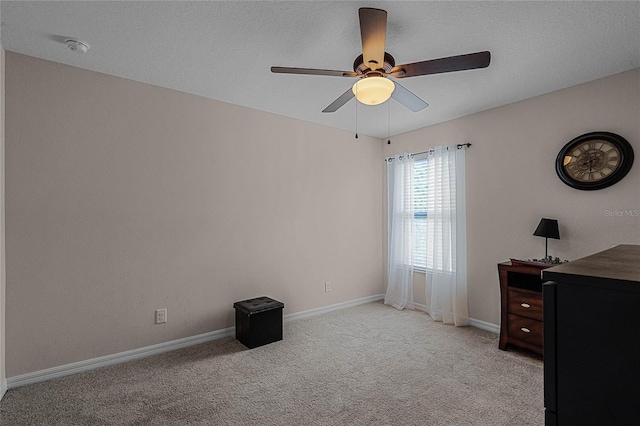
column 547, row 228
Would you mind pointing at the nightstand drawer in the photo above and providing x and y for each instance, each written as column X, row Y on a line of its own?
column 525, row 303
column 525, row 329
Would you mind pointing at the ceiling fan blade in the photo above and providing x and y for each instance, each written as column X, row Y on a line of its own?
column 343, row 99
column 312, row 71
column 408, row 99
column 373, row 31
column 436, row 66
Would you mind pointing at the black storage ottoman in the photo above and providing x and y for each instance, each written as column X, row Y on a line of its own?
column 258, row 321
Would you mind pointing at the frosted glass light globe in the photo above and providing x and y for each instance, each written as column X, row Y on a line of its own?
column 373, row 90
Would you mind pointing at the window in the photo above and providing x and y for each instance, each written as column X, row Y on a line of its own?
column 433, row 207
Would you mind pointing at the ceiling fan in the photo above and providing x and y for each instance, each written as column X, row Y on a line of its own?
column 375, row 65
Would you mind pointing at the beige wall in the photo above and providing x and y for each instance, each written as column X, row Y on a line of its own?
column 512, row 183
column 3, row 375
column 123, row 198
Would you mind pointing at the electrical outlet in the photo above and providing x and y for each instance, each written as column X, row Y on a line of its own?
column 161, row 316
column 327, row 287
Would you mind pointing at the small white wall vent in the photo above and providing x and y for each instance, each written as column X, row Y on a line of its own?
column 77, row 46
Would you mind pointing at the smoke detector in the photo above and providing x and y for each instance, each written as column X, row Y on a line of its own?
column 77, row 46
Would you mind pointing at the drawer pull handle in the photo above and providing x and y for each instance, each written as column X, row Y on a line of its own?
column 526, row 330
column 525, row 305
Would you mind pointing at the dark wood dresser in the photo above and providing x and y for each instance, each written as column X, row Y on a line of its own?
column 521, row 306
column 592, row 339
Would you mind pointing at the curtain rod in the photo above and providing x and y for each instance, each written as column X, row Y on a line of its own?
column 459, row 146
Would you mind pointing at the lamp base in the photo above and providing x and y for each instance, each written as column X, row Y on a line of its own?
column 550, row 260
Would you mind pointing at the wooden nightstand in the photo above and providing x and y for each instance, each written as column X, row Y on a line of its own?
column 521, row 306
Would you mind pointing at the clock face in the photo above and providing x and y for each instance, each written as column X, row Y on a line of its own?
column 594, row 160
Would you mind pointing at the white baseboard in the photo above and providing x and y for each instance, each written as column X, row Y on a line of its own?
column 472, row 321
column 494, row 328
column 323, row 310
column 421, row 307
column 3, row 389
column 104, row 361
column 118, row 358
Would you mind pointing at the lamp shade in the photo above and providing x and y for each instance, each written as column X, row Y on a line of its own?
column 373, row 90
column 547, row 228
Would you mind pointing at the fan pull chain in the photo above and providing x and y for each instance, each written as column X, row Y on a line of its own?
column 356, row 111
column 389, row 122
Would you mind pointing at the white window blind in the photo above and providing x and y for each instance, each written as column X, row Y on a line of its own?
column 430, row 252
column 420, row 202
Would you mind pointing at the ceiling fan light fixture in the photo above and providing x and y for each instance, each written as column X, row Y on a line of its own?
column 373, row 90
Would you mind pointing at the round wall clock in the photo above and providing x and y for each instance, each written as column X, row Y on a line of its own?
column 594, row 160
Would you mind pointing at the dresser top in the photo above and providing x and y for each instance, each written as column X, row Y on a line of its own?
column 617, row 265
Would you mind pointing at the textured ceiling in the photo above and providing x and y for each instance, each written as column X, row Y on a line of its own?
column 224, row 50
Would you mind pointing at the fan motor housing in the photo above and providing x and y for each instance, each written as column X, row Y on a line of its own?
column 360, row 68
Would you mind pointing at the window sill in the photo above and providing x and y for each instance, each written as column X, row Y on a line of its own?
column 430, row 271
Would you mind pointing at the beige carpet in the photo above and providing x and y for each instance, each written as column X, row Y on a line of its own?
column 368, row 365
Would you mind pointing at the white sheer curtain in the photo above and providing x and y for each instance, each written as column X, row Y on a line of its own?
column 400, row 173
column 446, row 277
